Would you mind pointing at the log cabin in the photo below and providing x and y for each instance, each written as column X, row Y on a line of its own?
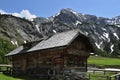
column 66, row 50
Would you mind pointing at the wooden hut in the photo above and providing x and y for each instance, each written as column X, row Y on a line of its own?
column 67, row 50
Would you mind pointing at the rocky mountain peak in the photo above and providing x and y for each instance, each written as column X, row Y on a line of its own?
column 103, row 32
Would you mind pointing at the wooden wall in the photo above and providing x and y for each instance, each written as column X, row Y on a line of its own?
column 19, row 63
column 74, row 55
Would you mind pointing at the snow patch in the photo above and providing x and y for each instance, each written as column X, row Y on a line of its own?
column 57, row 14
column 14, row 43
column 94, row 26
column 73, row 12
column 86, row 33
column 37, row 27
column 103, row 37
column 104, row 29
column 25, row 41
column 107, row 36
column 118, row 26
column 54, row 31
column 78, row 22
column 110, row 22
column 98, row 45
column 115, row 34
column 111, row 47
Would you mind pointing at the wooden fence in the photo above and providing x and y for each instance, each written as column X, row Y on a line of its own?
column 4, row 68
column 115, row 77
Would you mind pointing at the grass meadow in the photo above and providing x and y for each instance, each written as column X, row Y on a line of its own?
column 6, row 77
column 104, row 62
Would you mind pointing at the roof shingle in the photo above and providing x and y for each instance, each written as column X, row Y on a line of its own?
column 57, row 40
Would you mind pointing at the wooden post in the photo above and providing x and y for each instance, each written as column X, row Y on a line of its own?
column 104, row 72
column 115, row 77
column 118, row 77
column 107, row 77
column 86, row 63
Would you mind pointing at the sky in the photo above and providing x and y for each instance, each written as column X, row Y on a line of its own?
column 47, row 8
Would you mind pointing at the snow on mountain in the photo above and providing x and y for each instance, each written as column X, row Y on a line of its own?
column 74, row 12
column 107, row 36
column 98, row 45
column 15, row 43
column 37, row 27
column 111, row 47
column 54, row 31
column 115, row 34
column 103, row 31
column 78, row 22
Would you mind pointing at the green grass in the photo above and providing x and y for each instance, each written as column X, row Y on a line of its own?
column 99, row 76
column 5, row 77
column 103, row 61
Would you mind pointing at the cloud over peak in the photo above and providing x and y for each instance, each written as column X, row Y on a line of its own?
column 23, row 14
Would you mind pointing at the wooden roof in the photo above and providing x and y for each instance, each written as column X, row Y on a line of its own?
column 57, row 40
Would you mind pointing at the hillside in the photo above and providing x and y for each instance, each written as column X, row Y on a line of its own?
column 15, row 31
column 103, row 32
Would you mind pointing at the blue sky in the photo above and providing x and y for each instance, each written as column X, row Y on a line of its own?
column 46, row 8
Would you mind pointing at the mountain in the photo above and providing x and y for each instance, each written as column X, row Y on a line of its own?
column 17, row 30
column 103, row 32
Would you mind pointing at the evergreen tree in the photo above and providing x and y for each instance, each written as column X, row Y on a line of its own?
column 5, row 48
column 116, row 52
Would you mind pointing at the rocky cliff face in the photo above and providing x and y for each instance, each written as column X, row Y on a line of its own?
column 17, row 30
column 104, row 32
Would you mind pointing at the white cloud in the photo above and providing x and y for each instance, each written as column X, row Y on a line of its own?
column 2, row 12
column 23, row 14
